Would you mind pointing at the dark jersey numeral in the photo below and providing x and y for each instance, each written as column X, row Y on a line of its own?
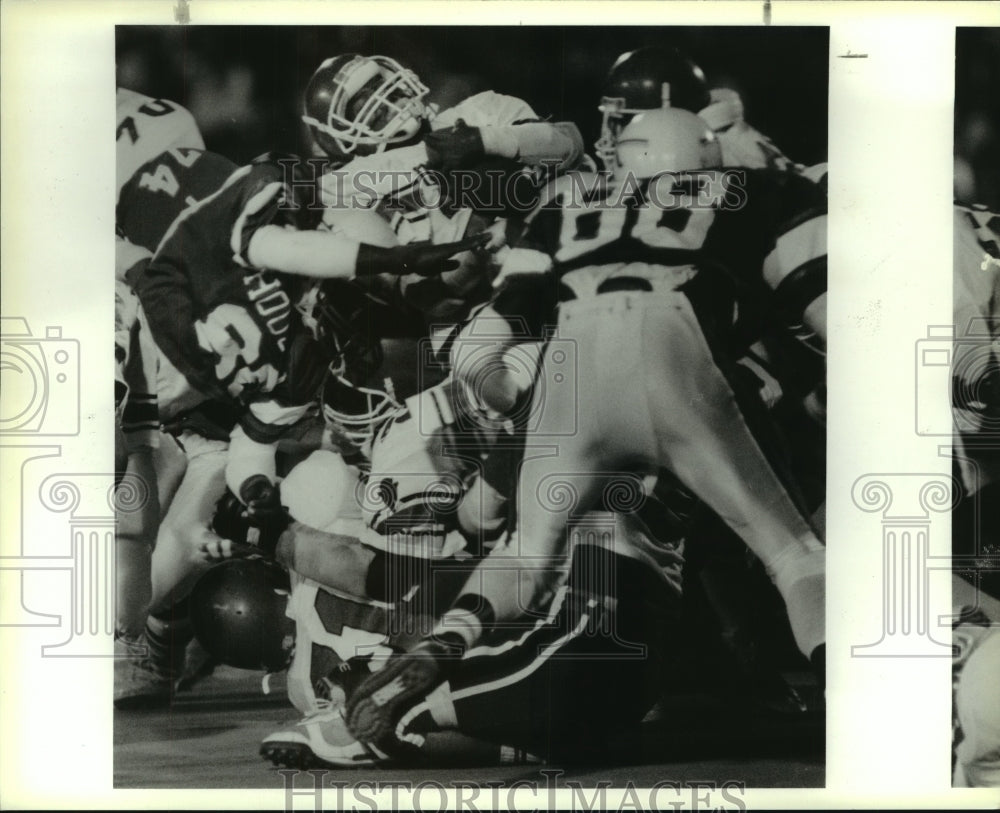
column 157, row 107
column 127, row 126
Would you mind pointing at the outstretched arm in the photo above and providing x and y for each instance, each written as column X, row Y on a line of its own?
column 326, row 255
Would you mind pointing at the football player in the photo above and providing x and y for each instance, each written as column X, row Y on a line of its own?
column 218, row 299
column 651, row 260
column 659, row 76
column 432, row 173
column 375, row 553
column 146, row 128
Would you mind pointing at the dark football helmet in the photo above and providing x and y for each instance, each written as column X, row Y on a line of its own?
column 342, row 318
column 348, row 323
column 647, row 79
column 358, row 105
column 238, row 614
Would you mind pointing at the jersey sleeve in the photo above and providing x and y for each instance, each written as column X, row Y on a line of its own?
column 795, row 268
column 262, row 197
column 486, row 109
column 161, row 189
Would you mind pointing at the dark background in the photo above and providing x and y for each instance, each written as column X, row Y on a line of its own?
column 977, row 116
column 244, row 83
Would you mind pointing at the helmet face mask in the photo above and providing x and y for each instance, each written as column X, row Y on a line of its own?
column 354, row 414
column 616, row 115
column 358, row 105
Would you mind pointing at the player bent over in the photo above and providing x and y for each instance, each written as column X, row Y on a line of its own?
column 639, row 285
column 218, row 298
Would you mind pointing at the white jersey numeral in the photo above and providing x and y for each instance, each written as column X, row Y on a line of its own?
column 232, row 336
column 162, row 179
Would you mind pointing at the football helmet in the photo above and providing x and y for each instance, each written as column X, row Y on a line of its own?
column 358, row 105
column 647, row 79
column 355, row 413
column 668, row 140
column 347, row 323
column 238, row 614
column 341, row 316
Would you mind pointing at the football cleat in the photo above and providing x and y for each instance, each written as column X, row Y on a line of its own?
column 382, row 699
column 320, row 739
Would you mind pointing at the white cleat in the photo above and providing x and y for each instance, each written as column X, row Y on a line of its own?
column 320, row 739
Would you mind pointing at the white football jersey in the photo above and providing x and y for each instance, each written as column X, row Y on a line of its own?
column 409, row 505
column 146, row 128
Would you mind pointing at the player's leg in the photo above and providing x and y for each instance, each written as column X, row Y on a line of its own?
column 153, row 468
column 704, row 439
column 582, row 436
column 576, row 683
column 587, row 433
column 136, row 522
column 178, row 559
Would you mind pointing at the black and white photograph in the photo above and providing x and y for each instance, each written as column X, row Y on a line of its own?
column 510, row 404
column 975, row 392
column 473, row 382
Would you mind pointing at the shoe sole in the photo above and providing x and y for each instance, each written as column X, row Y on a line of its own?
column 298, row 755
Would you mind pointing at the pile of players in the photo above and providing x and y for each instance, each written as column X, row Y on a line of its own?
column 450, row 424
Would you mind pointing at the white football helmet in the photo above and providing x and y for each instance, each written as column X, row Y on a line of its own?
column 362, row 104
column 666, row 140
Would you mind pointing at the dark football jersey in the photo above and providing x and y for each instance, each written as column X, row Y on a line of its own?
column 751, row 241
column 163, row 188
column 224, row 324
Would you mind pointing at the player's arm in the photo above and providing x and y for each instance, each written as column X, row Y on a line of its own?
column 742, row 145
column 325, row 255
column 334, row 560
column 164, row 291
column 503, row 126
column 251, row 470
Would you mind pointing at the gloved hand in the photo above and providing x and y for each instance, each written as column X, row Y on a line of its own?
column 264, row 511
column 458, row 147
column 377, row 705
column 425, row 259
